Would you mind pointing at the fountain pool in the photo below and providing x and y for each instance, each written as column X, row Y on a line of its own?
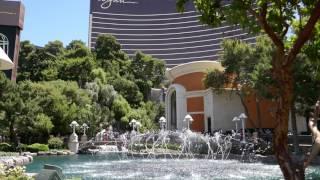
column 113, row 166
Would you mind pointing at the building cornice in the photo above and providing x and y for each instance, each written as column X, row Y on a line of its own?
column 192, row 67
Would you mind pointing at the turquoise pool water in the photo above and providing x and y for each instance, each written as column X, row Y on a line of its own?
column 115, row 167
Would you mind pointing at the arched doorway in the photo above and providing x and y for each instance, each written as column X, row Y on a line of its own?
column 4, row 43
column 176, row 107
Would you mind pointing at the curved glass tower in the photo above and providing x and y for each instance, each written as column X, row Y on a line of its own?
column 156, row 28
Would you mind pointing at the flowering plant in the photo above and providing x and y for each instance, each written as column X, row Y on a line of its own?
column 13, row 173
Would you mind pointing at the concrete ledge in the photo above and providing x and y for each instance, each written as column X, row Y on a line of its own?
column 12, row 161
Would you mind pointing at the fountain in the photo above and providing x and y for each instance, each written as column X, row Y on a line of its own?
column 73, row 144
column 243, row 117
column 84, row 137
column 167, row 154
column 173, row 144
column 236, row 120
column 163, row 123
column 189, row 120
column 135, row 126
column 105, row 142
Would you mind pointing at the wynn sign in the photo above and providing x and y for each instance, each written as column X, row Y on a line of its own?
column 156, row 28
column 105, row 4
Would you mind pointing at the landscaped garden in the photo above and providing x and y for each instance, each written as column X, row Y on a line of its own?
column 104, row 87
column 58, row 85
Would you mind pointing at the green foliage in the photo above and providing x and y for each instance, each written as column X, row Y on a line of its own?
column 77, row 49
column 141, row 116
column 175, row 147
column 38, row 147
column 5, row 147
column 103, row 96
column 99, row 75
column 43, row 124
column 129, row 90
column 245, row 65
column 148, row 72
column 11, row 105
column 57, row 85
column 307, row 74
column 147, row 68
column 282, row 22
column 215, row 79
column 55, row 143
column 48, row 107
column 307, row 83
column 148, row 115
column 54, row 48
column 4, row 154
column 154, row 111
column 247, row 70
column 121, row 108
column 22, row 147
column 107, row 48
column 77, row 69
column 34, row 62
column 16, row 173
column 278, row 14
column 63, row 102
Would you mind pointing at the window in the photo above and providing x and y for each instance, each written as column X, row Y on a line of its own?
column 173, row 111
column 4, row 43
column 209, row 125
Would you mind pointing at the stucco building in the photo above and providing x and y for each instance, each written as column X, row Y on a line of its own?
column 210, row 110
column 11, row 24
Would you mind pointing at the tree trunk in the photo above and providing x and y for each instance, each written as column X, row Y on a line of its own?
column 258, row 114
column 246, row 109
column 294, row 128
column 12, row 134
column 291, row 169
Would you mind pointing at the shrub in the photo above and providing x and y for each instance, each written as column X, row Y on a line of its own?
column 3, row 154
column 16, row 173
column 55, row 143
column 5, row 147
column 22, row 147
column 37, row 147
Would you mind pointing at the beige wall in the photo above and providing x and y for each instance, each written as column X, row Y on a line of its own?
column 225, row 107
column 301, row 124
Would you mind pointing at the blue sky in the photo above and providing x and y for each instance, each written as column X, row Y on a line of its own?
column 49, row 20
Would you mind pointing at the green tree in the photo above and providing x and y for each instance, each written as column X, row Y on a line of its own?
column 11, row 105
column 141, row 115
column 247, row 68
column 54, row 48
column 107, row 49
column 148, row 72
column 307, row 81
column 26, row 49
column 75, row 44
column 77, row 69
column 53, row 62
column 33, row 64
column 103, row 96
column 148, row 115
column 32, row 124
column 63, row 102
column 77, row 49
column 154, row 111
column 129, row 90
column 274, row 18
column 121, row 109
column 100, row 76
